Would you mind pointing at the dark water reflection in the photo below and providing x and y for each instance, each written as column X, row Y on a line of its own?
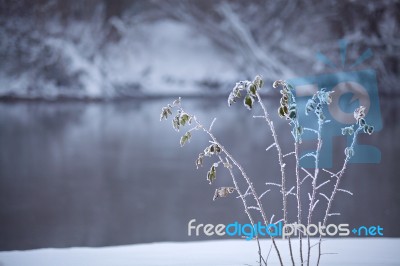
column 79, row 174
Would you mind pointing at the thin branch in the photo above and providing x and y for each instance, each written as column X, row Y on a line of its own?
column 329, row 172
column 346, row 191
column 310, row 129
column 272, row 218
column 212, row 123
column 270, row 146
column 315, row 204
column 299, row 208
column 246, row 178
column 325, row 196
column 336, row 187
column 265, row 192
column 304, row 179
column 287, row 154
column 308, row 173
column 247, row 193
column 323, row 240
column 314, row 183
column 290, row 191
column 310, row 154
column 326, row 182
column 273, row 184
column 245, row 209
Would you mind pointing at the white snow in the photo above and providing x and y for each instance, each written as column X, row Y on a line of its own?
column 351, row 251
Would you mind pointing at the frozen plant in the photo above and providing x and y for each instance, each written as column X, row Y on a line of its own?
column 248, row 92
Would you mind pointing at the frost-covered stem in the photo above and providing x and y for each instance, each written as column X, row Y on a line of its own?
column 246, row 209
column 338, row 178
column 314, row 184
column 281, row 164
column 245, row 176
column 298, row 182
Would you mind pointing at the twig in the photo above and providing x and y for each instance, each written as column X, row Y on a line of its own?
column 298, row 184
column 325, row 196
column 273, row 184
column 287, row 154
column 270, row 146
column 336, row 187
column 245, row 209
column 326, row 182
column 212, row 123
column 265, row 192
column 346, row 191
column 310, row 129
column 314, row 183
column 247, row 179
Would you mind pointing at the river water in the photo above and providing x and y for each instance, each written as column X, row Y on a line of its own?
column 110, row 173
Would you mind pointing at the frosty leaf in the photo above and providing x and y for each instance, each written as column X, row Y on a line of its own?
column 185, row 118
column 284, row 100
column 359, row 113
column 310, row 106
column 165, row 111
column 324, row 96
column 227, row 164
column 361, row 122
column 252, row 89
column 278, row 83
column 185, row 138
column 349, row 152
column 258, row 82
column 212, row 174
column 283, row 111
column 348, row 130
column 292, row 112
column 231, row 99
column 177, row 102
column 176, row 123
column 222, row 192
column 368, row 129
column 248, row 102
column 199, row 160
column 235, row 94
column 212, row 149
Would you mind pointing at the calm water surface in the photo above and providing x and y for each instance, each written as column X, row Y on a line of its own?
column 96, row 174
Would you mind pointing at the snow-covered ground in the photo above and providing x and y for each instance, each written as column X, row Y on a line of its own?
column 362, row 251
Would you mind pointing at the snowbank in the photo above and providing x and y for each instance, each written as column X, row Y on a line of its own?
column 365, row 251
